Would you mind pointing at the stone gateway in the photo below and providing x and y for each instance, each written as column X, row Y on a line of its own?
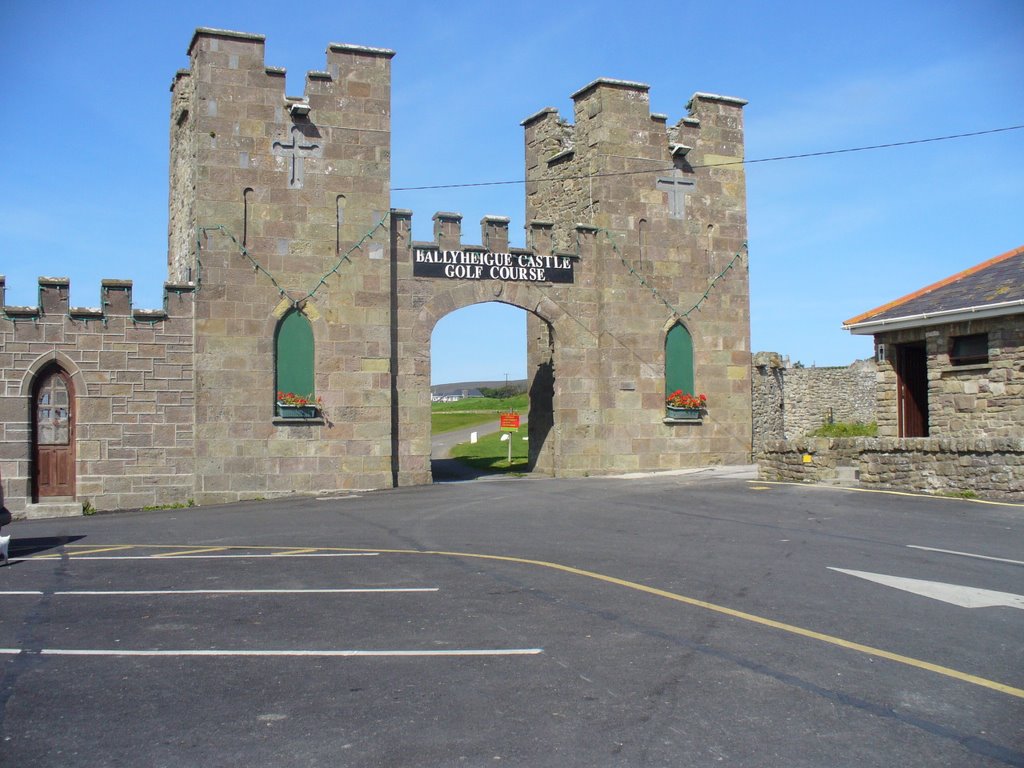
column 292, row 353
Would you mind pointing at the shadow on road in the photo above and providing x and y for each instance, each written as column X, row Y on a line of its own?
column 20, row 548
column 453, row 471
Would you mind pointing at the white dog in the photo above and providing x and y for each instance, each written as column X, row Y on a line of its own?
column 5, row 542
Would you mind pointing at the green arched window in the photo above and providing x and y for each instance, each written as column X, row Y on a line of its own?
column 678, row 360
column 293, row 359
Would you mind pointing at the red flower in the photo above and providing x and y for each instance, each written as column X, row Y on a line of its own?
column 299, row 401
column 680, row 399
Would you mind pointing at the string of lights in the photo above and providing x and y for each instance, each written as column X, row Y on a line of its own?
column 775, row 159
column 656, row 293
column 257, row 267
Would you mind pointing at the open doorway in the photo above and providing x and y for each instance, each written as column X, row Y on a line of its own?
column 488, row 359
column 912, row 389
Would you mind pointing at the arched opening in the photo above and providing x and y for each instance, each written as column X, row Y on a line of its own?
column 53, row 435
column 486, row 358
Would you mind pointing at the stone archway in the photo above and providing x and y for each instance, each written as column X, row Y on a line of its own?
column 547, row 323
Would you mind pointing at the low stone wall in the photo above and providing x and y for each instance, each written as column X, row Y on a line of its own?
column 990, row 468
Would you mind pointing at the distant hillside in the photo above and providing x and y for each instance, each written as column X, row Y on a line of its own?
column 472, row 388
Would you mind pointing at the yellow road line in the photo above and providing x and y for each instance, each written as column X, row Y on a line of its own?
column 87, row 551
column 295, row 552
column 909, row 661
column 912, row 494
column 753, row 618
column 202, row 551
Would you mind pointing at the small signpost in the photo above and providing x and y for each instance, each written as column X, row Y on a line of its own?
column 509, row 422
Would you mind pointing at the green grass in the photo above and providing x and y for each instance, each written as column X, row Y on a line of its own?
column 446, row 422
column 445, row 417
column 490, row 404
column 176, row 505
column 842, row 429
column 490, row 454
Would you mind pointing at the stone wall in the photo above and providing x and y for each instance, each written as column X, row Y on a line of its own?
column 790, row 402
column 989, row 468
column 980, row 401
column 285, row 187
column 654, row 214
column 133, row 384
column 817, row 396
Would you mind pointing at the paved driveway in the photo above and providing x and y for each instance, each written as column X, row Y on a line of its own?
column 684, row 620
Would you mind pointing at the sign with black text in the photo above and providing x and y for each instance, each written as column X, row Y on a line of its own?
column 485, row 265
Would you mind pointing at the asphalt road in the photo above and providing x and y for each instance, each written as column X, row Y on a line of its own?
column 689, row 620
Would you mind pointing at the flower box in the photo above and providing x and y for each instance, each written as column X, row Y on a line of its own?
column 297, row 411
column 682, row 414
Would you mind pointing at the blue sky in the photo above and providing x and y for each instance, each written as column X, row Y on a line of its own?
column 83, row 190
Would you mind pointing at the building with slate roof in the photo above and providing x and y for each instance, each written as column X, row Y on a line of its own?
column 951, row 355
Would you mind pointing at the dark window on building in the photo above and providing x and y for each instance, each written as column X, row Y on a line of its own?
column 969, row 350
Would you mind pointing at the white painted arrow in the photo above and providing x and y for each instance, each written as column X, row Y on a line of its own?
column 965, row 597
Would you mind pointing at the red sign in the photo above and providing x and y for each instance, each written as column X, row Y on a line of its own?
column 509, row 422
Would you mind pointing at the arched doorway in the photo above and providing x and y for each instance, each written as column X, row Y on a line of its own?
column 488, row 347
column 53, row 435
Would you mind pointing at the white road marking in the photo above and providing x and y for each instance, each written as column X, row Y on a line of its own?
column 967, row 554
column 352, row 590
column 8, row 594
column 955, row 594
column 278, row 653
column 192, row 557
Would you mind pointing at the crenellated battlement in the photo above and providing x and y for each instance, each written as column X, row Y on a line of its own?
column 494, row 236
column 115, row 301
column 618, row 165
column 231, row 62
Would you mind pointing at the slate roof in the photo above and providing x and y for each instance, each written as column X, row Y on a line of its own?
column 989, row 285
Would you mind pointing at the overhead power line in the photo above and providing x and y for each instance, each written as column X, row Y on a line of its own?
column 777, row 158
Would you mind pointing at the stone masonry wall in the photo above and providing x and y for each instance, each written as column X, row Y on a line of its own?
column 792, row 402
column 285, row 187
column 990, row 468
column 979, row 401
column 817, row 396
column 604, row 190
column 768, row 405
column 133, row 385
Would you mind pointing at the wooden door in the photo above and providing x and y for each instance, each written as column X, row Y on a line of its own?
column 54, row 433
column 912, row 390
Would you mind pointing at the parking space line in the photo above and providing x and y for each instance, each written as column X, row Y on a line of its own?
column 967, row 554
column 292, row 652
column 175, row 556
column 9, row 594
column 203, row 551
column 340, row 590
column 78, row 553
column 750, row 617
column 887, row 492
